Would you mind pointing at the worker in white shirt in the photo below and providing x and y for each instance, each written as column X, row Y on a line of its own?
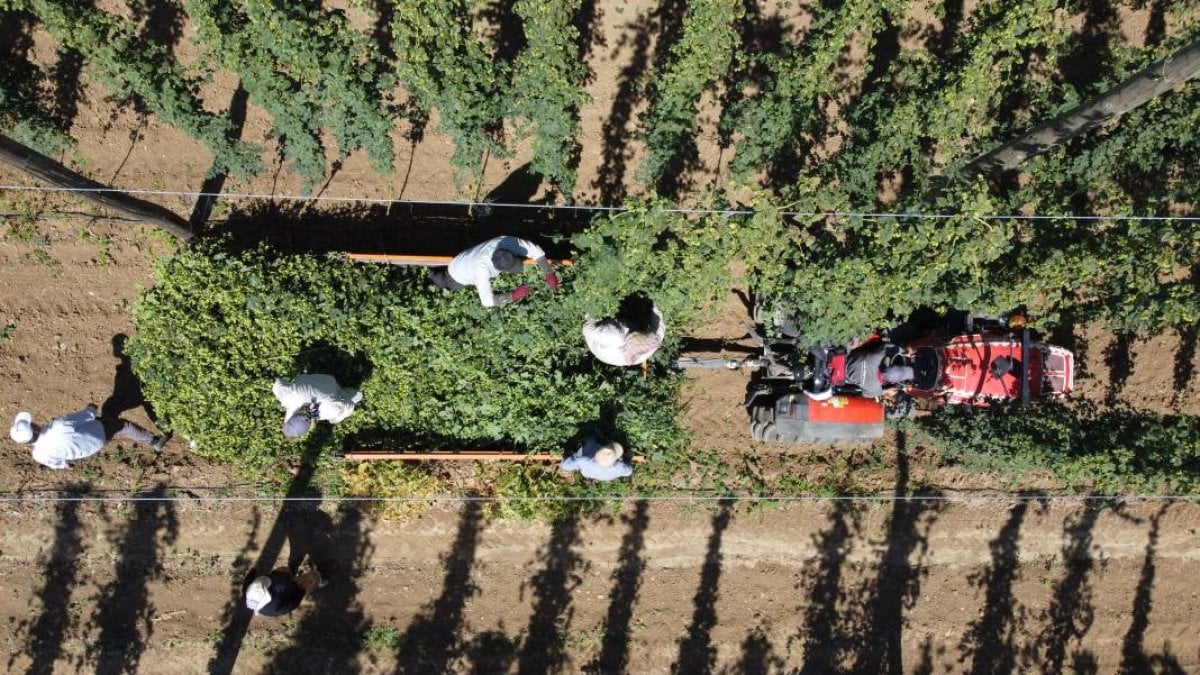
column 598, row 462
column 478, row 265
column 313, row 397
column 76, row 436
column 618, row 343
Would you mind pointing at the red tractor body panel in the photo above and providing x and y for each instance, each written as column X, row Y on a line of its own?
column 967, row 374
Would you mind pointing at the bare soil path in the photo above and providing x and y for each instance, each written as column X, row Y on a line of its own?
column 995, row 586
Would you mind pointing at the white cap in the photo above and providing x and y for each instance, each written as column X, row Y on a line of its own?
column 22, row 428
column 258, row 593
column 607, row 455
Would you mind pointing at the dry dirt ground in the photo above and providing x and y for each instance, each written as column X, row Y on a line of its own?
column 997, row 586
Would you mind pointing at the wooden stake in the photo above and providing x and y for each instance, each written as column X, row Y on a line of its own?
column 49, row 171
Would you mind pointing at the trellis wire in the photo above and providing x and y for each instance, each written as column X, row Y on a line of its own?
column 583, row 207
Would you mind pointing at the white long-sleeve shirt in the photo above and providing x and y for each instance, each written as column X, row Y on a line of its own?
column 69, row 438
column 473, row 267
column 613, row 343
column 334, row 402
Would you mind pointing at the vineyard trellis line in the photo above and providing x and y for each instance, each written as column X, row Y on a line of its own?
column 600, row 208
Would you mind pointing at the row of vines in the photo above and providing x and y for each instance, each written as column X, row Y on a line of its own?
column 842, row 126
column 863, row 97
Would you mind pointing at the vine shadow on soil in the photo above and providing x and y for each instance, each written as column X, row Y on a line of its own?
column 697, row 654
column 329, row 633
column 162, row 22
column 124, row 611
column 658, row 31
column 1092, row 54
column 627, row 582
column 1118, row 356
column 758, row 656
column 44, row 635
column 864, row 626
column 23, row 79
column 988, row 644
column 507, row 32
column 401, row 228
column 898, row 582
column 543, row 647
column 1185, row 358
column 1134, row 658
column 1070, row 614
column 433, row 640
column 215, row 182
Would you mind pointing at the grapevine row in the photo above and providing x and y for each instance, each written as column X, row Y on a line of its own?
column 547, row 87
column 787, row 113
column 130, row 66
column 696, row 63
column 444, row 65
column 309, row 70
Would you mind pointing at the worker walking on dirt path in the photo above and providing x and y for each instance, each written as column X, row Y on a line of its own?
column 279, row 592
column 625, row 341
column 76, row 436
column 599, row 462
column 309, row 398
column 478, row 265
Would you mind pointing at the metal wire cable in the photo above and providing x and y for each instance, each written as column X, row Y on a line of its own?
column 584, row 207
column 1021, row 497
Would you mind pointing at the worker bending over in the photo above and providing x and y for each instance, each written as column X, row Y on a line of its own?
column 478, row 265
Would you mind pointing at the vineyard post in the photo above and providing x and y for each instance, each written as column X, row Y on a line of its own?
column 46, row 169
column 1159, row 78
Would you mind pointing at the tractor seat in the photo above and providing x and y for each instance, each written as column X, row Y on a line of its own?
column 926, row 370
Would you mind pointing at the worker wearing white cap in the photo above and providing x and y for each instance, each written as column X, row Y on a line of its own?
column 76, row 436
column 599, row 462
column 309, row 398
column 279, row 592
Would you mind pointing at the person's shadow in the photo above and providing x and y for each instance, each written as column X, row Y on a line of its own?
column 126, row 390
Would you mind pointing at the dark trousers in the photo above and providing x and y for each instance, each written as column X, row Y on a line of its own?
column 440, row 276
column 115, row 427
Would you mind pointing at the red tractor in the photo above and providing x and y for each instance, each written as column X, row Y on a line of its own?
column 845, row 393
